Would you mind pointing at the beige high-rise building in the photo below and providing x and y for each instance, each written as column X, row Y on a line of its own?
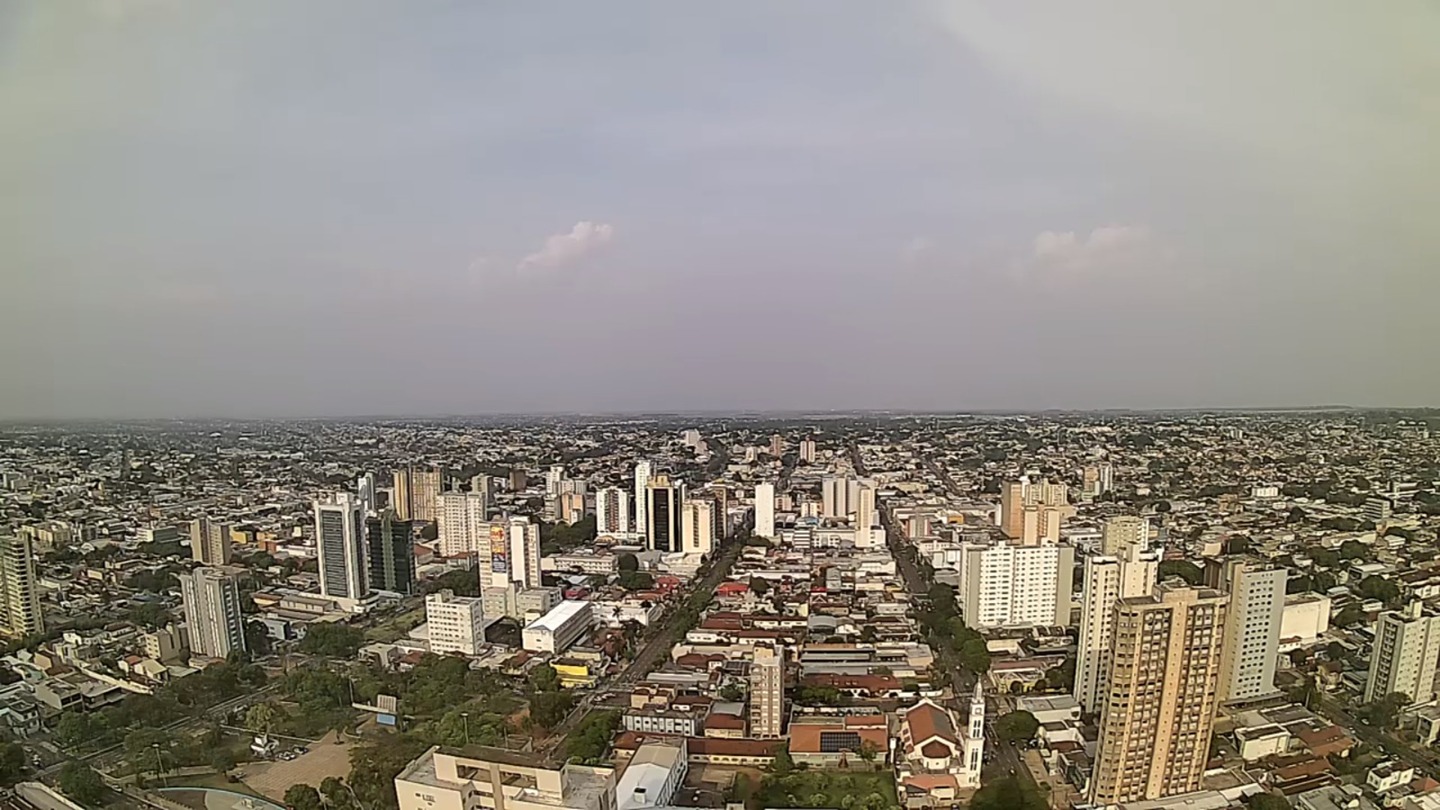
column 1107, row 581
column 1034, row 512
column 210, row 542
column 1407, row 643
column 20, row 587
column 1123, row 532
column 807, row 451
column 462, row 520
column 213, row 619
column 1160, row 705
column 416, row 492
column 767, row 691
column 612, row 511
column 697, row 526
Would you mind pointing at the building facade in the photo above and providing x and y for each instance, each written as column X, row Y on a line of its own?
column 663, row 525
column 416, row 491
column 1012, row 585
column 211, row 599
column 767, row 692
column 23, row 615
column 1407, row 643
column 456, row 623
column 390, row 553
column 765, row 510
column 1107, row 581
column 339, row 544
column 697, row 525
column 462, row 521
column 643, row 470
column 210, row 542
column 612, row 511
column 1252, row 627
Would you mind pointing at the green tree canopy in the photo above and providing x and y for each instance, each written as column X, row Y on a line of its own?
column 334, row 640
column 1018, row 726
column 301, row 796
column 1186, row 570
column 80, row 782
column 627, row 562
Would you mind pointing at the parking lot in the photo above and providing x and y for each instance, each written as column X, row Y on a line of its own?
column 329, row 757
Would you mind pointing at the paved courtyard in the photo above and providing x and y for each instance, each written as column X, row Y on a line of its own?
column 329, row 757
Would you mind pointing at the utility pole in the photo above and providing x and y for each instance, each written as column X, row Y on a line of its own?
column 465, row 719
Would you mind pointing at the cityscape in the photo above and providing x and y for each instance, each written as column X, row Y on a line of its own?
column 878, row 611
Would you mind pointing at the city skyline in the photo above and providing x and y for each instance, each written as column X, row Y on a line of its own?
column 995, row 206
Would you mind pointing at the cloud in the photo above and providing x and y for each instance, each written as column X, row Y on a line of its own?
column 566, row 248
column 1104, row 249
column 916, row 249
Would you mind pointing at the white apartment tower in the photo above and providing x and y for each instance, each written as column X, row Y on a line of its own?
column 213, row 620
column 840, row 495
column 462, row 519
column 643, row 470
column 1407, row 643
column 553, row 477
column 765, row 510
column 1107, row 580
column 456, row 623
column 1012, row 585
column 697, row 526
column 340, row 546
column 1252, row 628
column 23, row 615
column 612, row 511
column 767, row 692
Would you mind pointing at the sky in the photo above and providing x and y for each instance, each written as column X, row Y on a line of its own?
column 354, row 207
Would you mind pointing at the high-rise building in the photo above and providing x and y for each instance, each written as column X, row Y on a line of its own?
column 462, row 521
column 612, row 511
column 570, row 507
column 1011, row 585
column 777, row 445
column 697, row 526
column 807, row 451
column 456, row 624
column 1033, row 513
column 643, row 471
column 553, row 477
column 765, row 510
column 483, row 484
column 1407, row 644
column 721, row 493
column 662, row 514
column 864, row 515
column 1107, row 581
column 213, row 619
column 767, row 691
column 391, row 553
column 339, row 543
column 516, row 556
column 840, row 496
column 1161, row 702
column 1252, row 627
column 1122, row 532
column 210, row 542
column 23, row 615
column 416, row 491
column 518, row 480
column 1107, row 477
column 366, row 488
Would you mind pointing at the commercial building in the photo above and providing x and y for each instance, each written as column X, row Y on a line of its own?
column 415, row 493
column 481, row 778
column 765, row 510
column 1122, row 532
column 1252, row 627
column 523, row 604
column 1003, row 584
column 557, row 630
column 643, row 470
column 653, row 776
column 456, row 623
column 462, row 523
column 1407, row 643
column 662, row 514
column 612, row 511
column 23, row 616
column 697, row 526
column 767, row 691
column 1107, row 581
column 1160, row 706
column 339, row 527
column 211, row 599
column 210, row 542
column 390, row 547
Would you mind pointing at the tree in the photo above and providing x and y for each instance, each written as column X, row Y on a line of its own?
column 547, row 709
column 303, row 797
column 782, row 764
column 1296, row 515
column 257, row 640
column 731, row 692
column 627, row 562
column 336, row 794
column 1304, row 692
column 544, row 678
column 1384, row 712
column 975, row 656
column 1376, row 587
column 1354, row 550
column 1238, row 544
column 1188, row 571
column 222, row 760
column 1324, row 557
column 80, row 782
column 1018, row 726
column 635, row 580
column 1335, row 651
column 590, row 741
column 333, row 640
column 1352, row 614
column 1007, row 794
column 12, row 762
column 262, row 718
column 1268, row 801
column 759, row 586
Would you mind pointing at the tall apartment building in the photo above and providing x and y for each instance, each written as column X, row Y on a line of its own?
column 513, row 554
column 1107, row 581
column 416, row 491
column 865, row 516
column 764, row 510
column 390, row 551
column 1252, row 626
column 1407, row 643
column 366, row 488
column 643, row 470
column 1033, row 513
column 697, row 526
column 777, row 445
column 213, row 620
column 612, row 511
column 767, row 691
column 1012, row 585
column 721, row 494
column 1120, row 533
column 463, row 523
column 456, row 624
column 553, row 477
column 339, row 543
column 1160, row 706
column 210, row 542
column 807, row 451
column 662, row 513
column 839, row 497
column 21, row 588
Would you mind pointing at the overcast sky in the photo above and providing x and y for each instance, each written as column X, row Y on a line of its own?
column 341, row 207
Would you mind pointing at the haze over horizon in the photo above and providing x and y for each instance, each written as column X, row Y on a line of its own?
column 352, row 207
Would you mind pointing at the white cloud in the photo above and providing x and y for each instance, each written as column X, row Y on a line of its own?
column 565, row 248
column 1104, row 249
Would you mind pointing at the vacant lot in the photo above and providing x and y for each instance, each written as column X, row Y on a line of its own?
column 329, row 757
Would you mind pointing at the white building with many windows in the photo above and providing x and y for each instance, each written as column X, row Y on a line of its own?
column 456, row 623
column 1004, row 584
